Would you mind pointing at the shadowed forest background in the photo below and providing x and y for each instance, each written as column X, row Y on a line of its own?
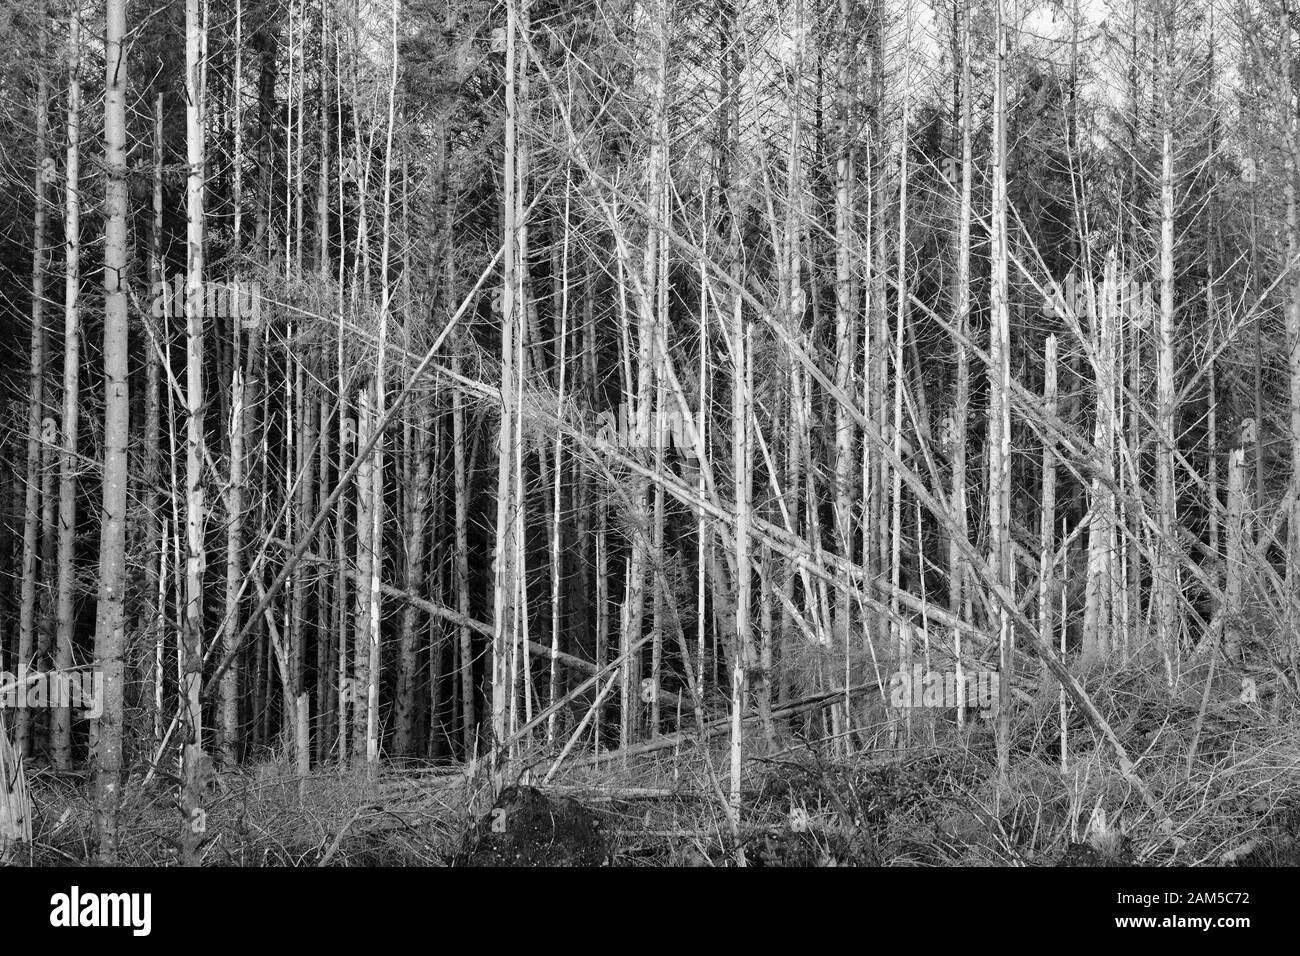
column 689, row 432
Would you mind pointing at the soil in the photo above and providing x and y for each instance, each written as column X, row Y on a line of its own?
column 527, row 828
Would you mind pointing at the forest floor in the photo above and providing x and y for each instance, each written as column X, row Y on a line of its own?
column 1225, row 773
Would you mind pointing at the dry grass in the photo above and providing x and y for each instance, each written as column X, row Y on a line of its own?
column 938, row 802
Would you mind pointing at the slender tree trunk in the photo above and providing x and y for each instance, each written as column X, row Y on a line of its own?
column 741, row 660
column 109, row 636
column 192, row 630
column 1167, row 606
column 999, row 442
column 961, row 398
column 1292, row 170
column 1100, row 635
column 845, row 313
column 306, row 471
column 36, row 401
column 1047, row 508
column 416, row 520
column 468, row 727
column 366, row 571
column 504, row 557
column 155, row 534
column 1234, row 554
column 61, row 718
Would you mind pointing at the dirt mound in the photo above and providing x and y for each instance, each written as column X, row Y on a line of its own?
column 525, row 827
column 1086, row 854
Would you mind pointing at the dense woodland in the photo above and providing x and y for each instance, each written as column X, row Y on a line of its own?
column 504, row 392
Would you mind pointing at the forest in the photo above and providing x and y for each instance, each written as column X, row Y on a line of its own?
column 649, row 432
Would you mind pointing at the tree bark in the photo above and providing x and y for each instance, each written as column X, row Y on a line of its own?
column 109, row 636
column 61, row 718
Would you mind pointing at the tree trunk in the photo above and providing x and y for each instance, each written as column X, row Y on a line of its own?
column 999, row 425
column 1167, row 600
column 109, row 636
column 195, row 299
column 61, row 717
column 36, row 401
column 416, row 520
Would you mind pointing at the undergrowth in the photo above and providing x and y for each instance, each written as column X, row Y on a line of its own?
column 1221, row 770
